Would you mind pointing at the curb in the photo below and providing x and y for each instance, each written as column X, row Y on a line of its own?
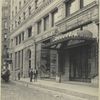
column 64, row 91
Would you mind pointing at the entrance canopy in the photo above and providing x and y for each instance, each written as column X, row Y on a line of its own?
column 79, row 35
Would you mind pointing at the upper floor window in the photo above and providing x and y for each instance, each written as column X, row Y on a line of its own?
column 12, row 26
column 54, row 17
column 19, row 38
column 16, row 40
column 16, row 9
column 36, row 4
column 22, row 36
column 39, row 27
column 24, row 15
column 12, row 14
column 15, row 23
column 46, row 23
column 19, row 20
column 29, row 8
column 20, row 5
column 5, row 36
column 71, row 7
column 29, row 31
column 24, row 1
column 5, row 25
column 86, row 2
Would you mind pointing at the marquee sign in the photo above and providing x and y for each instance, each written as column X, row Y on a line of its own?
column 69, row 35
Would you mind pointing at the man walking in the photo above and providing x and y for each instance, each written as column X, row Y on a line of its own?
column 31, row 75
column 19, row 75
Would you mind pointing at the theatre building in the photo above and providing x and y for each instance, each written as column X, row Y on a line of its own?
column 59, row 38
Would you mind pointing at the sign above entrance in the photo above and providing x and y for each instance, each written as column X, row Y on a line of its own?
column 82, row 34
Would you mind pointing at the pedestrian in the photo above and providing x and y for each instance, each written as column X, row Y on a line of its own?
column 18, row 75
column 31, row 75
column 35, row 75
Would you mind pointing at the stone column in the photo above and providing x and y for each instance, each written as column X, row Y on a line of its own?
column 20, row 61
column 38, row 58
column 33, row 57
column 13, row 64
column 57, row 69
column 24, row 63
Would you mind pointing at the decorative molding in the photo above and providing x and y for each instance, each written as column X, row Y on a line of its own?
column 43, row 6
column 81, row 17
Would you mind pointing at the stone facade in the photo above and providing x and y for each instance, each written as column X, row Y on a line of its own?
column 5, row 32
column 48, row 19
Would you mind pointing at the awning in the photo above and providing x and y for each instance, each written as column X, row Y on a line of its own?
column 79, row 35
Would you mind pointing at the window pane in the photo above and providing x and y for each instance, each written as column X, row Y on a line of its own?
column 30, row 32
column 23, row 36
column 86, row 2
column 54, row 17
column 39, row 27
column 46, row 23
column 71, row 7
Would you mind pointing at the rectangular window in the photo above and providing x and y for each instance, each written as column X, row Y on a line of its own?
column 16, row 40
column 19, row 59
column 19, row 20
column 16, row 9
column 46, row 23
column 29, row 10
column 36, row 4
column 29, row 31
column 19, row 38
column 71, row 7
column 20, row 5
column 5, row 25
column 86, row 2
column 24, row 1
column 54, row 17
column 24, row 15
column 39, row 27
column 22, row 60
column 12, row 26
column 15, row 60
column 5, row 36
column 12, row 14
column 15, row 23
column 22, row 36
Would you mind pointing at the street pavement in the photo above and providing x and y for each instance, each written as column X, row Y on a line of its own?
column 14, row 91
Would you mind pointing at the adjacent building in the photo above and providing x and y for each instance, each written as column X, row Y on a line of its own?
column 59, row 38
column 5, row 32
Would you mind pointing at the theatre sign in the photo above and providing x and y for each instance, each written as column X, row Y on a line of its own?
column 81, row 35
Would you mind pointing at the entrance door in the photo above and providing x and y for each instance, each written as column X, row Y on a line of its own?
column 79, row 63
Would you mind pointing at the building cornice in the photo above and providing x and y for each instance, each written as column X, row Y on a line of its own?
column 35, row 13
column 81, row 17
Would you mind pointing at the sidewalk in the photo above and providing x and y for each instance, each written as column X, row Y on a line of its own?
column 71, row 89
